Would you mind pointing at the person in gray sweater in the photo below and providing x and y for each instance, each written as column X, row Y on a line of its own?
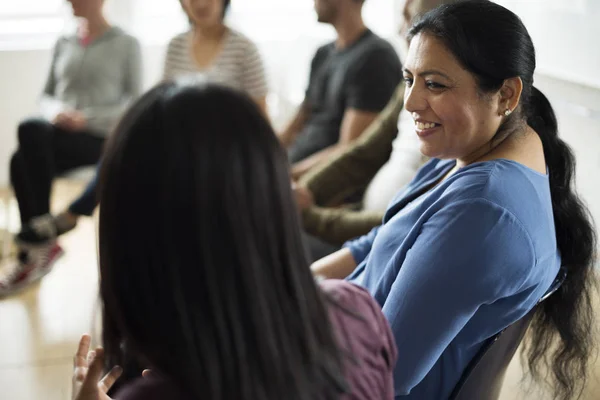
column 94, row 75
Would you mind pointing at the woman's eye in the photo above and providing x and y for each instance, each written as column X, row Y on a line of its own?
column 434, row 85
column 408, row 81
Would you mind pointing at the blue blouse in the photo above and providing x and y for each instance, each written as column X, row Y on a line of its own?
column 454, row 265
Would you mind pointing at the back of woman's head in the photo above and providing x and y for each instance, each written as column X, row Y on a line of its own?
column 493, row 44
column 203, row 272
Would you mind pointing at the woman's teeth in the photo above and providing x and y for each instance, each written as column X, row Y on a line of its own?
column 427, row 125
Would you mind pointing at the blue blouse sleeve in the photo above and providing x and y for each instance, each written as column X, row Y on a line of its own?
column 472, row 241
column 361, row 246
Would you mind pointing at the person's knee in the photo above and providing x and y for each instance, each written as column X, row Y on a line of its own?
column 16, row 164
column 15, row 160
column 32, row 131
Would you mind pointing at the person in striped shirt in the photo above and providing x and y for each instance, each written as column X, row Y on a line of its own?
column 214, row 52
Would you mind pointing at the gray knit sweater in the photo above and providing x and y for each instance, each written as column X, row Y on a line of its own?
column 99, row 79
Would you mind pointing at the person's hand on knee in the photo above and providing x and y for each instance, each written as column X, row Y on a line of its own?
column 72, row 120
column 304, row 197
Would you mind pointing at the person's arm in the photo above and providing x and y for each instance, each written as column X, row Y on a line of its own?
column 254, row 79
column 341, row 263
column 171, row 55
column 109, row 115
column 368, row 89
column 337, row 225
column 467, row 255
column 353, row 125
column 365, row 321
column 294, row 128
column 353, row 169
column 49, row 106
column 289, row 134
column 335, row 266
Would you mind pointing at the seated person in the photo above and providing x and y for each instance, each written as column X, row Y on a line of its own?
column 472, row 244
column 378, row 164
column 94, row 74
column 351, row 81
column 209, row 50
column 383, row 160
column 214, row 293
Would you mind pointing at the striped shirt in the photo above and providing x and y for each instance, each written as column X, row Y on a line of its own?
column 238, row 64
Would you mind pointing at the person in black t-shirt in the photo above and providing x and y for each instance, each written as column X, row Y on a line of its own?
column 351, row 81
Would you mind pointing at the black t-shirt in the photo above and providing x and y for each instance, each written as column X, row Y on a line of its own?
column 362, row 76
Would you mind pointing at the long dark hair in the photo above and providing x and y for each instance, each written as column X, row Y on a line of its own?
column 493, row 44
column 204, row 277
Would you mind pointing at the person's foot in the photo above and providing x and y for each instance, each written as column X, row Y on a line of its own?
column 31, row 266
column 45, row 228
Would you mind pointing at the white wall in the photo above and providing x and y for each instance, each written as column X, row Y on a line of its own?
column 19, row 88
column 565, row 34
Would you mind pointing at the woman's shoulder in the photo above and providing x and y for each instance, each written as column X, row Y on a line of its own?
column 118, row 32
column 365, row 336
column 505, row 183
column 356, row 314
column 239, row 40
column 345, row 293
column 180, row 40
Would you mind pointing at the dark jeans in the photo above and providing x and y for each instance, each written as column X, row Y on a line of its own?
column 44, row 152
column 87, row 201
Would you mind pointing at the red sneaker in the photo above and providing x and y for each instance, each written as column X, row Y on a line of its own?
column 33, row 265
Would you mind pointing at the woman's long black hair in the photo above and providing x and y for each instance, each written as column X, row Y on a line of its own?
column 204, row 276
column 493, row 44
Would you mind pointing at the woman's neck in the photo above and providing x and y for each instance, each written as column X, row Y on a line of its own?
column 94, row 27
column 522, row 145
column 501, row 141
column 349, row 31
column 211, row 33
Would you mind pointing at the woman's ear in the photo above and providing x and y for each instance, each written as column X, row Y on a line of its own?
column 509, row 95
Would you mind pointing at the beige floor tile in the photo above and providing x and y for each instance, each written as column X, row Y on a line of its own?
column 47, row 382
column 44, row 322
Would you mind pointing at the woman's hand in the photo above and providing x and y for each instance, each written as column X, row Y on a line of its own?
column 87, row 371
column 304, row 197
column 72, row 121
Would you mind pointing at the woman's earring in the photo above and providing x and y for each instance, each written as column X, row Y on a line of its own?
column 507, row 112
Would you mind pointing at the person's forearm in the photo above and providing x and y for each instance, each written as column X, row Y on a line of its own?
column 302, row 167
column 288, row 135
column 335, row 266
column 338, row 225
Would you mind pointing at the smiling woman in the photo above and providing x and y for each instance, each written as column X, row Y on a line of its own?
column 454, row 117
column 475, row 240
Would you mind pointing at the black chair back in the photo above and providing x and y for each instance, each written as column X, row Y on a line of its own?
column 483, row 378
